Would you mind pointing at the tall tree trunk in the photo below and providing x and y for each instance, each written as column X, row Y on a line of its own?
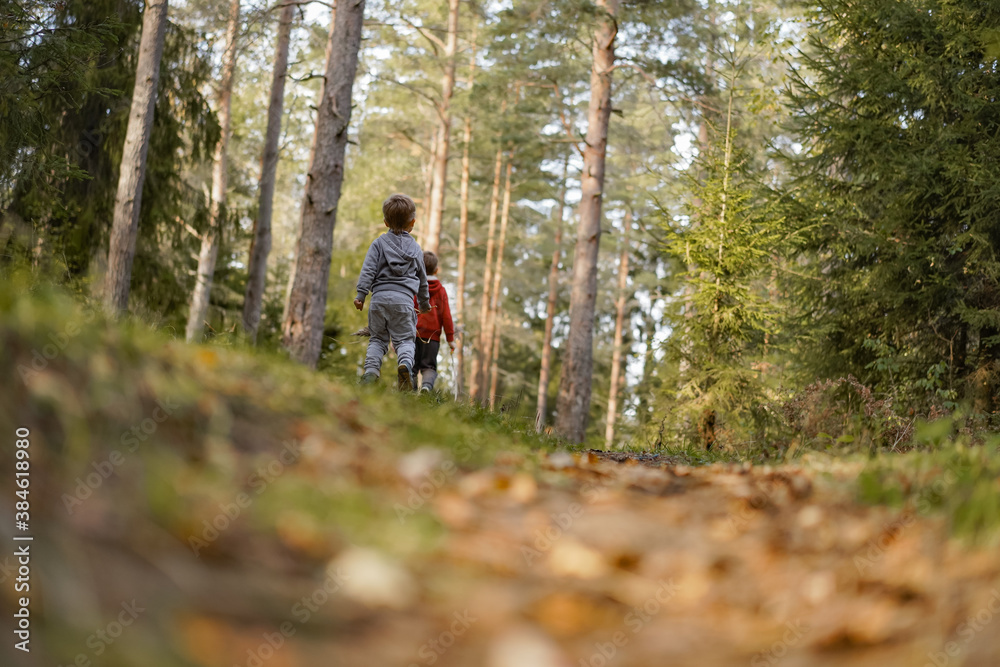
column 578, row 364
column 550, row 311
column 494, row 365
column 302, row 329
column 463, row 233
column 648, row 361
column 440, row 170
column 260, row 246
column 132, row 171
column 424, row 218
column 493, row 341
column 616, row 355
column 220, row 183
column 481, row 358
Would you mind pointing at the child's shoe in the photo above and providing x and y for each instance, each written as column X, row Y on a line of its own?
column 368, row 378
column 404, row 378
column 426, row 389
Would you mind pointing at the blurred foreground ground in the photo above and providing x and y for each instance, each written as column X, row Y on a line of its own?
column 201, row 506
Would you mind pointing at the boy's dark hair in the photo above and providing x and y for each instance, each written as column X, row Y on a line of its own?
column 430, row 262
column 398, row 211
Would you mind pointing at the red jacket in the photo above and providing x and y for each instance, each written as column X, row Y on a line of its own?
column 429, row 325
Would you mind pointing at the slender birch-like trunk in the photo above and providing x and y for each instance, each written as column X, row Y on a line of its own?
column 260, row 246
column 302, row 329
column 550, row 311
column 424, row 218
column 616, row 355
column 578, row 364
column 494, row 367
column 440, row 169
column 463, row 233
column 132, row 171
column 481, row 357
column 493, row 341
column 220, row 183
column 708, row 418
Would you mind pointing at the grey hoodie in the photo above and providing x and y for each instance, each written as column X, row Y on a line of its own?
column 394, row 263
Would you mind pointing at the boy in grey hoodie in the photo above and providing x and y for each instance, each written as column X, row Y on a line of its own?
column 394, row 273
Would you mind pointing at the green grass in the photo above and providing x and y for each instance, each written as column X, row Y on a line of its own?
column 231, row 411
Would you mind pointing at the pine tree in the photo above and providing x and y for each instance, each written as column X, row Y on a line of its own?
column 898, row 196
column 726, row 241
column 578, row 365
column 305, row 310
column 260, row 247
column 211, row 237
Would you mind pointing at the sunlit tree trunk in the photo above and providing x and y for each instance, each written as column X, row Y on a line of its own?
column 132, row 171
column 424, row 217
column 648, row 361
column 550, row 311
column 492, row 343
column 494, row 365
column 302, row 329
column 616, row 354
column 578, row 363
column 260, row 246
column 220, row 183
column 440, row 170
column 463, row 234
column 481, row 357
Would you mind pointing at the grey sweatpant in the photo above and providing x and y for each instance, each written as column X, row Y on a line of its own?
column 391, row 317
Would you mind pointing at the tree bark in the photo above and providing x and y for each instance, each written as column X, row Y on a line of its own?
column 302, row 329
column 494, row 365
column 260, row 246
column 481, row 357
column 578, row 364
column 220, row 183
column 616, row 355
column 424, row 218
column 463, row 234
column 493, row 341
column 132, row 171
column 440, row 170
column 550, row 311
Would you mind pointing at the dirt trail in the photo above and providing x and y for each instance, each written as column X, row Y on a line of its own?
column 594, row 562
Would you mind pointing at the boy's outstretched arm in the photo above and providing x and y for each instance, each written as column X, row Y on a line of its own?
column 367, row 276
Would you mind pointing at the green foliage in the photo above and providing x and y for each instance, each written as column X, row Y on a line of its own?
column 956, row 478
column 896, row 200
column 724, row 317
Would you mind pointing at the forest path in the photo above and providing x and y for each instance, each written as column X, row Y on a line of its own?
column 591, row 562
column 260, row 513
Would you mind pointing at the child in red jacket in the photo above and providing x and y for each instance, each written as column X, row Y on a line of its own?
column 429, row 326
